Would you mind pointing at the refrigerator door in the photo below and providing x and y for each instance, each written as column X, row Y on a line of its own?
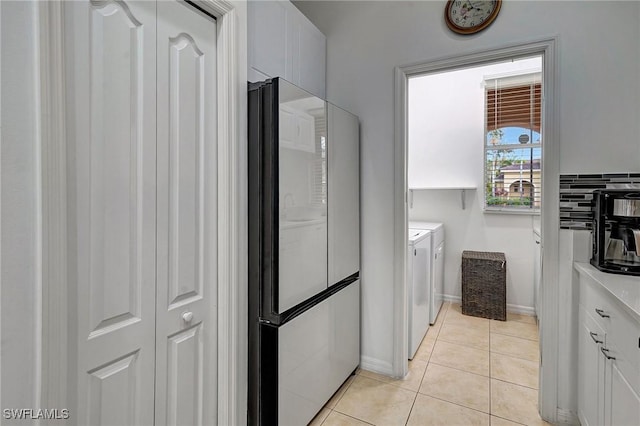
column 301, row 196
column 317, row 351
column 344, row 194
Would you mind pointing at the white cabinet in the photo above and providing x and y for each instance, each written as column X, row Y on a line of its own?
column 282, row 42
column 343, row 193
column 267, row 44
column 622, row 403
column 608, row 359
column 590, row 370
column 311, row 54
column 297, row 129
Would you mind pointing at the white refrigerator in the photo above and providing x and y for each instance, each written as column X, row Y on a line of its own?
column 304, row 258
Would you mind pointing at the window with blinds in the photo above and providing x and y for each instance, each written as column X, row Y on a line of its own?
column 513, row 145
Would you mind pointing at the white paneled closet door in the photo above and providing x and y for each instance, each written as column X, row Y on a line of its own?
column 186, row 360
column 112, row 211
column 142, row 213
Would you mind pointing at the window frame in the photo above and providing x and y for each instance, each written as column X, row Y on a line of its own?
column 512, row 79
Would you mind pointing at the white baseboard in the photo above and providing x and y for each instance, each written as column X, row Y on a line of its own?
column 519, row 309
column 567, row 417
column 452, row 299
column 514, row 309
column 376, row 366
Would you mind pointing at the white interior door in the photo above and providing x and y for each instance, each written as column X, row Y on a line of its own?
column 186, row 379
column 112, row 211
column 142, row 213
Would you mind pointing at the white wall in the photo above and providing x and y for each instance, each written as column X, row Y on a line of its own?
column 446, row 129
column 445, row 148
column 19, row 275
column 599, row 101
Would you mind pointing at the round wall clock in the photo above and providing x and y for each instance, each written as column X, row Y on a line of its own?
column 470, row 16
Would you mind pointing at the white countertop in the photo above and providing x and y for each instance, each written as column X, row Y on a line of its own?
column 625, row 288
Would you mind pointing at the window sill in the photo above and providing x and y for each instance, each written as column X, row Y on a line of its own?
column 516, row 212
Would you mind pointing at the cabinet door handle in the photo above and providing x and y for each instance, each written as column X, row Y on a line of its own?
column 601, row 313
column 605, row 352
column 593, row 337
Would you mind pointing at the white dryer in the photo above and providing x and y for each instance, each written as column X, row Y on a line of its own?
column 436, row 287
column 418, row 266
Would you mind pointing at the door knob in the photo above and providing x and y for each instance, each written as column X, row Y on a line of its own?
column 187, row 317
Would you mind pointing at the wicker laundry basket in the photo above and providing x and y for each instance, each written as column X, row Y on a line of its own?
column 484, row 284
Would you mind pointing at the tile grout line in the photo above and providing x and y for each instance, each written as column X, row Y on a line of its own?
column 352, row 417
column 459, row 369
column 517, row 337
column 406, row 422
column 455, row 403
column 515, row 356
column 515, row 384
column 509, row 420
column 325, row 419
column 490, row 377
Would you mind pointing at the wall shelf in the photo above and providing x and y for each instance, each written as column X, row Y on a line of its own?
column 462, row 189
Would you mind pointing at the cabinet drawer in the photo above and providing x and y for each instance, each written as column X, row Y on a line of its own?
column 597, row 303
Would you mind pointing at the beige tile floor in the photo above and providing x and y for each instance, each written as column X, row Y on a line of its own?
column 467, row 371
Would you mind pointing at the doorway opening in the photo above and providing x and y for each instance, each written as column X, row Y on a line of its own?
column 469, row 154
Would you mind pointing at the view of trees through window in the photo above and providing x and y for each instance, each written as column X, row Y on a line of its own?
column 513, row 174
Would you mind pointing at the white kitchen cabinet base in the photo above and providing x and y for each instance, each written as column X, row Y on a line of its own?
column 609, row 349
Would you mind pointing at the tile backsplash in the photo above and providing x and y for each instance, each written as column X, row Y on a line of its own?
column 576, row 193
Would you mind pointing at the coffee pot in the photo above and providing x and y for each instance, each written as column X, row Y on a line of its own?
column 616, row 231
column 624, row 245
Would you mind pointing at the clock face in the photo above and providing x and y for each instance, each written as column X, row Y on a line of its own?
column 470, row 16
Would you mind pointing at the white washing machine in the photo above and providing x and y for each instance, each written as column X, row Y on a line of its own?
column 436, row 287
column 418, row 266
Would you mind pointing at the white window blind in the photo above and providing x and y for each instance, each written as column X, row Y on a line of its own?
column 513, row 145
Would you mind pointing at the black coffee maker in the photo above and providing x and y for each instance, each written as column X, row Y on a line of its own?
column 616, row 231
